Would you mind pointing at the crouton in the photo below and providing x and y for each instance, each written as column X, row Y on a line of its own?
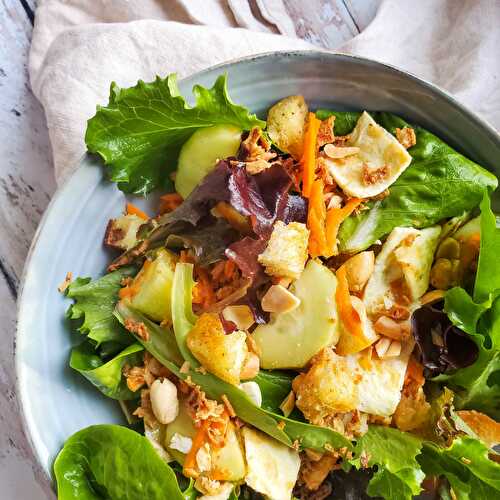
column 286, row 252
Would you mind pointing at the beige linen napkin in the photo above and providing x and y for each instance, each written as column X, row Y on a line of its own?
column 80, row 46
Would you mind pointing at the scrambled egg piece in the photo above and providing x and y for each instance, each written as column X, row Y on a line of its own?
column 402, row 268
column 286, row 252
column 272, row 467
column 220, row 354
column 380, row 161
column 336, row 384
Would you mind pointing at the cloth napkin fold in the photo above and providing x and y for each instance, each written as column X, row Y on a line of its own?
column 80, row 46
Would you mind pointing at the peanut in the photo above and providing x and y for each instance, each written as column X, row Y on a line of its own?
column 358, row 269
column 164, row 401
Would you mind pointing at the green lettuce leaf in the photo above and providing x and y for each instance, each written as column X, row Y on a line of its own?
column 393, row 453
column 488, row 268
column 440, row 183
column 107, row 377
column 465, row 464
column 113, row 463
column 478, row 385
column 94, row 305
column 141, row 130
column 159, row 344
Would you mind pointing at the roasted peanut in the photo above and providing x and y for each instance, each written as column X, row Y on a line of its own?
column 279, row 300
column 358, row 269
column 242, row 316
column 164, row 400
column 390, row 328
column 251, row 366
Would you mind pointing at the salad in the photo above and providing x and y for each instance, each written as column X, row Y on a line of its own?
column 312, row 311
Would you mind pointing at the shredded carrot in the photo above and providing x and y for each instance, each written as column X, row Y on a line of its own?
column 348, row 315
column 334, row 218
column 234, row 218
column 308, row 160
column 414, row 371
column 169, row 202
column 203, row 292
column 133, row 210
column 316, row 216
column 199, row 440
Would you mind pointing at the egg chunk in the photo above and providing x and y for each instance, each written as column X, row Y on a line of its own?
column 272, row 467
column 380, row 159
column 337, row 384
column 402, row 269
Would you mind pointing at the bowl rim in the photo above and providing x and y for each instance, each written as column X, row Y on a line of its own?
column 21, row 334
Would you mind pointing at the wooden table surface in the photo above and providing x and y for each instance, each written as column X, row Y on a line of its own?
column 27, row 184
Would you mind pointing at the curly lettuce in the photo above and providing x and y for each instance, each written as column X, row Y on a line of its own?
column 140, row 132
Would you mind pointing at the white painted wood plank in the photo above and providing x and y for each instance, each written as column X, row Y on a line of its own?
column 26, row 176
column 26, row 184
column 326, row 23
column 362, row 11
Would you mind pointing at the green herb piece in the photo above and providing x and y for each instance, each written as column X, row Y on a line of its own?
column 140, row 132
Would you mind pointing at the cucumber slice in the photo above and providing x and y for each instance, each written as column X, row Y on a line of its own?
column 152, row 287
column 200, row 153
column 291, row 339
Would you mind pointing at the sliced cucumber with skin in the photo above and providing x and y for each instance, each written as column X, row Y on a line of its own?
column 200, row 153
column 291, row 339
column 152, row 287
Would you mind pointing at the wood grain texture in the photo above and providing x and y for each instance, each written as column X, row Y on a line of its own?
column 27, row 184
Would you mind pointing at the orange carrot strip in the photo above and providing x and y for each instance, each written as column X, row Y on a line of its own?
column 348, row 315
column 199, row 440
column 169, row 202
column 133, row 210
column 308, row 160
column 316, row 220
column 334, row 218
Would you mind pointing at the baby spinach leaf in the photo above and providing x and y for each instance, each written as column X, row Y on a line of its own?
column 344, row 122
column 465, row 464
column 439, row 183
column 113, row 463
column 141, row 130
column 274, row 387
column 393, row 452
column 283, row 429
column 107, row 377
column 94, row 305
